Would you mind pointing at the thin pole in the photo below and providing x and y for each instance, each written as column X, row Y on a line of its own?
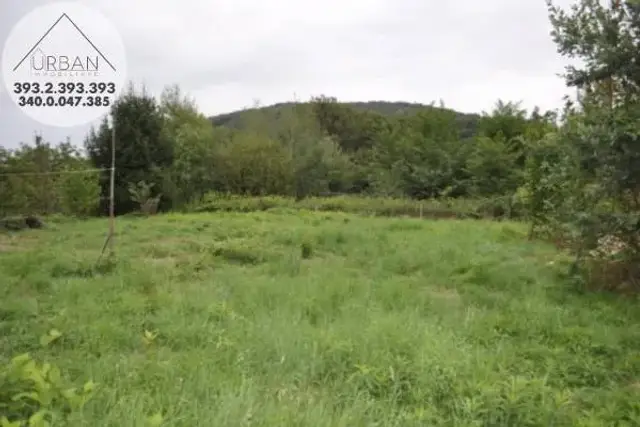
column 616, row 6
column 112, row 219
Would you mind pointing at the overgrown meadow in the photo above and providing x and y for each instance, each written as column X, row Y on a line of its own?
column 284, row 318
column 256, row 298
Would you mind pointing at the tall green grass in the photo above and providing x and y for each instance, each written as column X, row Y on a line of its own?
column 366, row 205
column 319, row 319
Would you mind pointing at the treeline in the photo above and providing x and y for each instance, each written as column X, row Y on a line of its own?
column 575, row 175
column 167, row 150
column 42, row 179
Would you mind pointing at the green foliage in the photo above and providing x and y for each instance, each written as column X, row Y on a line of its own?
column 354, row 130
column 420, row 157
column 492, row 168
column 320, row 166
column 35, row 395
column 80, row 194
column 141, row 193
column 378, row 206
column 466, row 123
column 547, row 177
column 193, row 171
column 312, row 307
column 507, row 122
column 574, row 175
column 302, row 150
column 219, row 319
column 252, row 164
column 45, row 179
column 606, row 197
column 143, row 151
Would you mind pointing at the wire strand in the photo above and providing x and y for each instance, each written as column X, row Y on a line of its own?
column 54, row 173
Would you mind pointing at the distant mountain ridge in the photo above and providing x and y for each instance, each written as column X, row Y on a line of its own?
column 467, row 121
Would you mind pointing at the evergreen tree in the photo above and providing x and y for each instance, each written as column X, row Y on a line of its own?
column 143, row 152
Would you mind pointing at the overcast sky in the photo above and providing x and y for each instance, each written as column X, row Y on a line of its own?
column 229, row 53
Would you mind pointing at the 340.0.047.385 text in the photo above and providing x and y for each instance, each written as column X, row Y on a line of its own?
column 63, row 101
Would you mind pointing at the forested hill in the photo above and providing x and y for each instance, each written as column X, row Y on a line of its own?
column 240, row 119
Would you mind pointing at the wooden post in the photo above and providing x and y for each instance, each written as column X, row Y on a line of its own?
column 112, row 219
column 420, row 210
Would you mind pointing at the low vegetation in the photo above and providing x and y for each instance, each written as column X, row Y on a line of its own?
column 375, row 206
column 317, row 319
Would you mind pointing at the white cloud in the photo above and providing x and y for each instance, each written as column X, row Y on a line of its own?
column 227, row 53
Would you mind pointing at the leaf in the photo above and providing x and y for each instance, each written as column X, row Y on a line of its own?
column 75, row 402
column 38, row 420
column 150, row 335
column 52, row 336
column 89, row 386
column 26, row 395
column 54, row 375
column 54, row 333
column 155, row 420
column 21, row 359
column 69, row 394
column 4, row 422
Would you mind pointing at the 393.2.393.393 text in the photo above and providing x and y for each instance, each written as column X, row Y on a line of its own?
column 64, row 94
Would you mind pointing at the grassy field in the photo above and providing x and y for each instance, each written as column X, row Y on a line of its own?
column 319, row 319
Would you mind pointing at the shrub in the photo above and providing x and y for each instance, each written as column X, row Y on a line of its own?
column 79, row 194
column 141, row 193
column 34, row 394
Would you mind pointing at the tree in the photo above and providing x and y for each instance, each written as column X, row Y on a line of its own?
column 547, row 180
column 320, row 166
column 319, row 163
column 193, row 171
column 143, row 152
column 492, row 167
column 252, row 164
column 353, row 130
column 421, row 156
column 507, row 123
column 36, row 180
column 607, row 41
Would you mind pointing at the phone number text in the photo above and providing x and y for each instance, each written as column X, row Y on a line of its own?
column 64, row 88
column 64, row 101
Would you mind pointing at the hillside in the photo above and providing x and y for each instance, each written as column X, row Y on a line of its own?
column 239, row 119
